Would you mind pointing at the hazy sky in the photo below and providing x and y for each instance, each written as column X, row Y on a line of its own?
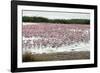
column 57, row 15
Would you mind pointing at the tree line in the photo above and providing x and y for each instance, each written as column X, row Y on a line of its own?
column 60, row 21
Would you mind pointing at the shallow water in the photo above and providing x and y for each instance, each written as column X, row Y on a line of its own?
column 68, row 48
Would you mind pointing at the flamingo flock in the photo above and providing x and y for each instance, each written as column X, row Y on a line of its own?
column 42, row 35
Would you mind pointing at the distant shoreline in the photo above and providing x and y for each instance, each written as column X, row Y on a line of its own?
column 31, row 23
column 61, row 21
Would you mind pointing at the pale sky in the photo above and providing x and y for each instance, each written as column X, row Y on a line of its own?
column 57, row 15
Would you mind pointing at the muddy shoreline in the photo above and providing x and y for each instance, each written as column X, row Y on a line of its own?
column 75, row 55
